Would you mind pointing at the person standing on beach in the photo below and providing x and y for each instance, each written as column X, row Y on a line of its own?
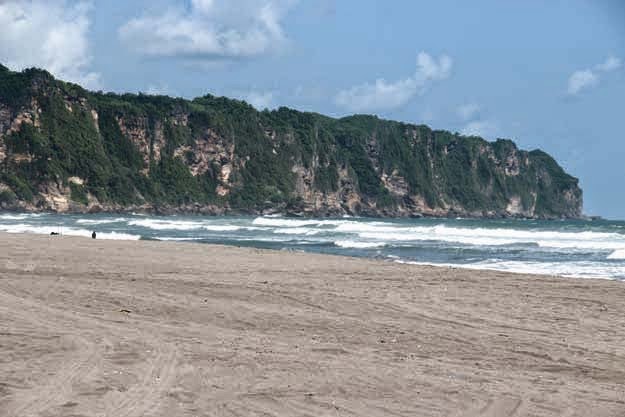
column 93, row 235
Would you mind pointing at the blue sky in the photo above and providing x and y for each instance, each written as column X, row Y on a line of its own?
column 547, row 74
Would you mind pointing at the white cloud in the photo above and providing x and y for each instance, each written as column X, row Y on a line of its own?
column 260, row 100
column 429, row 69
column 210, row 30
column 468, row 111
column 203, row 6
column 582, row 79
column 482, row 128
column 610, row 64
column 158, row 90
column 378, row 96
column 474, row 124
column 50, row 34
column 586, row 78
column 384, row 95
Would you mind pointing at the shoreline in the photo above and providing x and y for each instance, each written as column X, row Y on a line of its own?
column 96, row 327
column 470, row 268
column 215, row 211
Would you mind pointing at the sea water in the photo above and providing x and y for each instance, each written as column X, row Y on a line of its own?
column 592, row 249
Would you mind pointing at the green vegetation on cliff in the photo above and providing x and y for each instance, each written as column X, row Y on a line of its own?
column 111, row 151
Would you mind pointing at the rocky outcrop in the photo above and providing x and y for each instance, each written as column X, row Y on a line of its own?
column 215, row 155
column 136, row 129
column 5, row 121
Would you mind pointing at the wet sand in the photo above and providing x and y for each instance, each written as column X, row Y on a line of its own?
column 121, row 328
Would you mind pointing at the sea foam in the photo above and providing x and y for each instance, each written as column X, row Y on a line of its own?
column 617, row 254
column 358, row 245
column 63, row 230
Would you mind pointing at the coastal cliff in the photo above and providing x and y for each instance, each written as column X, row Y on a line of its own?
column 66, row 149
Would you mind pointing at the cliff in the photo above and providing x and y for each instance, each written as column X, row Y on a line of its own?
column 63, row 148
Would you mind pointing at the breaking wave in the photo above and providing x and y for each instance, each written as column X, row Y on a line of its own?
column 476, row 236
column 585, row 249
column 580, row 269
column 101, row 221
column 67, row 231
column 358, row 245
column 166, row 224
column 617, row 254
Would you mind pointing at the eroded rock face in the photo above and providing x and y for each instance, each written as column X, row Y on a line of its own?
column 136, row 129
column 381, row 168
column 210, row 152
column 209, row 149
column 395, row 183
column 157, row 144
column 56, row 198
column 223, row 189
column 512, row 165
column 96, row 119
column 21, row 118
column 574, row 204
column 11, row 122
column 5, row 122
column 514, row 207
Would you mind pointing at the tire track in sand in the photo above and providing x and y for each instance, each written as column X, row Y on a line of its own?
column 137, row 401
column 58, row 387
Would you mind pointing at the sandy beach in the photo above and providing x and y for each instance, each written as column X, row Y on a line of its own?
column 121, row 328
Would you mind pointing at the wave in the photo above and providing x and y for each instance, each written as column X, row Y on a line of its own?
column 498, row 237
column 221, row 228
column 67, row 231
column 297, row 231
column 358, row 245
column 101, row 221
column 21, row 216
column 111, row 235
column 185, row 225
column 578, row 269
column 166, row 224
column 13, row 216
column 470, row 236
column 617, row 254
column 179, row 239
column 361, row 227
column 282, row 222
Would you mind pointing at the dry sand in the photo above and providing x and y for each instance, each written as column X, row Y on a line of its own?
column 112, row 328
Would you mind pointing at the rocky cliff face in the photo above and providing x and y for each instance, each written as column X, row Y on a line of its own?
column 65, row 149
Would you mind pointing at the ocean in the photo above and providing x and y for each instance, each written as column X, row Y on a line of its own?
column 583, row 249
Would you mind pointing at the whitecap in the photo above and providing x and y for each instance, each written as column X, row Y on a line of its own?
column 499, row 236
column 358, row 245
column 166, row 224
column 578, row 269
column 178, row 239
column 67, row 231
column 282, row 222
column 221, row 228
column 617, row 254
column 101, row 221
column 297, row 231
column 15, row 216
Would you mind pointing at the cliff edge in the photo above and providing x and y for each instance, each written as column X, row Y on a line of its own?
column 66, row 149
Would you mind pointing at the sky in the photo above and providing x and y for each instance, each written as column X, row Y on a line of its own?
column 547, row 74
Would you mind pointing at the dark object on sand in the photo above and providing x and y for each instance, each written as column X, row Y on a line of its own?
column 54, row 234
column 93, row 235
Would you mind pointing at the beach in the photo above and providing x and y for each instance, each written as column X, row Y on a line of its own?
column 143, row 328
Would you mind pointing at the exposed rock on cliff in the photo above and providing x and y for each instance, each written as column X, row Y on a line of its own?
column 66, row 149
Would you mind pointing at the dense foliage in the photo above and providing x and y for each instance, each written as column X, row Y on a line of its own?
column 140, row 149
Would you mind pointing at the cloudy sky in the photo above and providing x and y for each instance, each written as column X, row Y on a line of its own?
column 548, row 74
